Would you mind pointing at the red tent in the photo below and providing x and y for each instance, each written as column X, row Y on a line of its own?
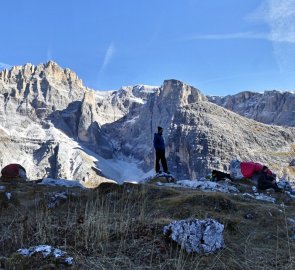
column 13, row 171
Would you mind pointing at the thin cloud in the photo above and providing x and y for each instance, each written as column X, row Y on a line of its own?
column 279, row 16
column 248, row 75
column 242, row 35
column 49, row 53
column 5, row 66
column 108, row 56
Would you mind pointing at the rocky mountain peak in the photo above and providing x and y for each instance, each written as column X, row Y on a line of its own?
column 38, row 90
column 50, row 70
column 180, row 93
column 138, row 91
column 270, row 107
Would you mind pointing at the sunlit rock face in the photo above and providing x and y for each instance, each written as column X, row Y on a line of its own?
column 205, row 136
column 56, row 127
column 36, row 104
column 200, row 136
column 271, row 107
column 44, row 151
column 133, row 134
column 39, row 90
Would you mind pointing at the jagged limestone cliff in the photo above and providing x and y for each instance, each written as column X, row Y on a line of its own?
column 271, row 107
column 29, row 97
column 59, row 128
column 199, row 135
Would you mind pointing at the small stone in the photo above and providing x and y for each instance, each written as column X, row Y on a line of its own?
column 291, row 220
column 8, row 195
column 248, row 216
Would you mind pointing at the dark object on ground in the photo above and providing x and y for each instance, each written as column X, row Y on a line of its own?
column 266, row 181
column 218, row 175
column 13, row 171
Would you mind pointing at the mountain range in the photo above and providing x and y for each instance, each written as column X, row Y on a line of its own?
column 57, row 128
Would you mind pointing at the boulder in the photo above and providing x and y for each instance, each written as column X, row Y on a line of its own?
column 197, row 235
column 162, row 178
column 46, row 251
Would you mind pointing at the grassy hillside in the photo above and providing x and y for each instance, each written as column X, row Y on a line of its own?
column 120, row 227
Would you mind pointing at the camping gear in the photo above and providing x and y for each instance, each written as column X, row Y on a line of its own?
column 13, row 171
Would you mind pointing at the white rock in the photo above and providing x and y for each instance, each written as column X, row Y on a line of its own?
column 291, row 220
column 46, row 251
column 197, row 235
column 260, row 197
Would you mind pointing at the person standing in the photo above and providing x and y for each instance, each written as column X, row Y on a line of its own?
column 159, row 145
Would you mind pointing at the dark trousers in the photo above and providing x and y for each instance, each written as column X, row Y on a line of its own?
column 160, row 156
column 266, row 185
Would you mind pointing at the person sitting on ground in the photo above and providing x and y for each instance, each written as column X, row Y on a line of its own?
column 218, row 175
column 266, row 180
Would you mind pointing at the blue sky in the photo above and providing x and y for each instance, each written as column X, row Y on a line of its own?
column 219, row 46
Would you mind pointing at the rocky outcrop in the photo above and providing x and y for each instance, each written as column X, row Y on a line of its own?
column 271, row 107
column 39, row 90
column 89, row 130
column 133, row 134
column 114, row 105
column 81, row 121
column 45, row 151
column 35, row 97
column 194, row 235
column 200, row 136
column 205, row 136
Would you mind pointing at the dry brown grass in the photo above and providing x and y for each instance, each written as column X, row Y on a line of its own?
column 120, row 227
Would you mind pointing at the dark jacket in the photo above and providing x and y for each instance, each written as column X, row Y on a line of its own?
column 265, row 181
column 159, row 142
